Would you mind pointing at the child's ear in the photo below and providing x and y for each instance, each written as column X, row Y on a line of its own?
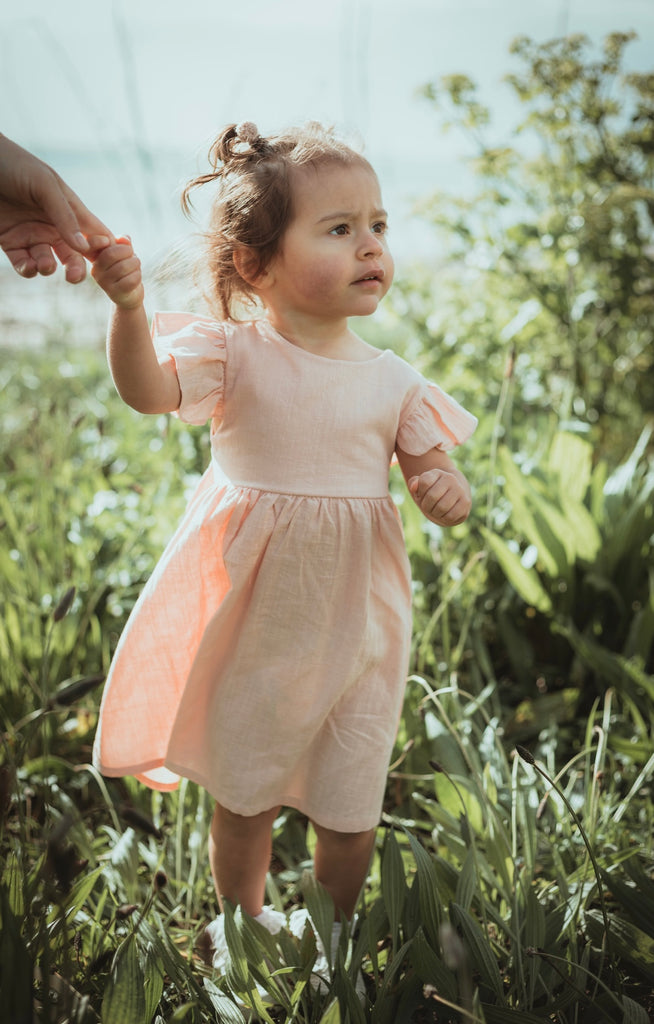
column 247, row 266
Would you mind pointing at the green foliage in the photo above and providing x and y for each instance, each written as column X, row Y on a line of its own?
column 550, row 255
column 482, row 901
column 579, row 555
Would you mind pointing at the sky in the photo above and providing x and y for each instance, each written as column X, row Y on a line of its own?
column 101, row 91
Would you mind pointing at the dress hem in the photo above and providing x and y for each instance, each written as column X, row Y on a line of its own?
column 285, row 799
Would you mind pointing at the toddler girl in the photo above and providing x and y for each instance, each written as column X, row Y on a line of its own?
column 266, row 657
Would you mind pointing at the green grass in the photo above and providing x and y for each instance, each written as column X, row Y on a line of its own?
column 490, row 889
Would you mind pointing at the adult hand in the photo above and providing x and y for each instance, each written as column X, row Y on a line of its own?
column 41, row 218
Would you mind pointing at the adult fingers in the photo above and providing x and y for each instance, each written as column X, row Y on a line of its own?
column 66, row 211
column 72, row 262
column 84, row 225
column 21, row 261
column 32, row 260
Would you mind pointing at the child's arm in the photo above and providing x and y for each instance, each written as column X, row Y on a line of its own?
column 438, row 488
column 140, row 381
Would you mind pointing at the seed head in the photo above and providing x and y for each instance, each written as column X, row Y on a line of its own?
column 525, row 754
column 63, row 607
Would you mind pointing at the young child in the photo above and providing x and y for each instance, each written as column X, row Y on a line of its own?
column 266, row 657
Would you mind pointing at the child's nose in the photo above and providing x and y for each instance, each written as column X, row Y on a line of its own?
column 371, row 245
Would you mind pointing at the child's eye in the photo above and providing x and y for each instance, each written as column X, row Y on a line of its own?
column 380, row 228
column 340, row 229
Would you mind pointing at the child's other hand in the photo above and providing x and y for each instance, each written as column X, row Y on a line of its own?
column 443, row 497
column 117, row 270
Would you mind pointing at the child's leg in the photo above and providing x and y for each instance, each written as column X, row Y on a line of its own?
column 240, row 848
column 341, row 864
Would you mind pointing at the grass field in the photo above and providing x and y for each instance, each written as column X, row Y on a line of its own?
column 505, row 887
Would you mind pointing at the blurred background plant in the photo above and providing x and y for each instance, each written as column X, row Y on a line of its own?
column 495, row 875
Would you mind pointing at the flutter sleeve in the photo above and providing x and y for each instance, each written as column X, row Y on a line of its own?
column 193, row 349
column 431, row 418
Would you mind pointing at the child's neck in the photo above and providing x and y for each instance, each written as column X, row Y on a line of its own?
column 332, row 339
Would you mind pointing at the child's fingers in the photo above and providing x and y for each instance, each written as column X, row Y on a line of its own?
column 434, row 482
column 118, row 272
column 440, row 497
column 110, row 271
column 116, row 251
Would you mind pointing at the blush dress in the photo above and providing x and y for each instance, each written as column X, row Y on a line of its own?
column 266, row 657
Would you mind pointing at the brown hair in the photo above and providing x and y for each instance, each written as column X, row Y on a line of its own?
column 253, row 205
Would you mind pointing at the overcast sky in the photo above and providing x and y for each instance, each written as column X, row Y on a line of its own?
column 136, row 76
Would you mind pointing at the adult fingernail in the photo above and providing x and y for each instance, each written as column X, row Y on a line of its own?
column 80, row 241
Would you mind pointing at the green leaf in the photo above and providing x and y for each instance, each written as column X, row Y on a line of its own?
column 82, row 890
column 262, row 954
column 457, row 794
column 467, row 881
column 12, row 879
column 321, row 909
column 124, row 996
column 479, row 945
column 332, row 1014
column 153, row 981
column 16, row 969
column 237, row 974
column 501, row 1015
column 534, row 934
column 582, row 529
column 627, row 941
column 637, row 904
column 633, row 1013
column 571, row 459
column 525, row 581
column 393, row 883
column 519, row 490
column 553, row 529
column 228, row 1011
column 181, row 1013
column 430, row 908
column 430, row 968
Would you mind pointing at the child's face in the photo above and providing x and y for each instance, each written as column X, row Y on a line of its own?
column 333, row 261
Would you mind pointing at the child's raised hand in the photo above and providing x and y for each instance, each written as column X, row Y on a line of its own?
column 444, row 497
column 117, row 270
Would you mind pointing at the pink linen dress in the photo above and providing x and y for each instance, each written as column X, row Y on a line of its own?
column 266, row 657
